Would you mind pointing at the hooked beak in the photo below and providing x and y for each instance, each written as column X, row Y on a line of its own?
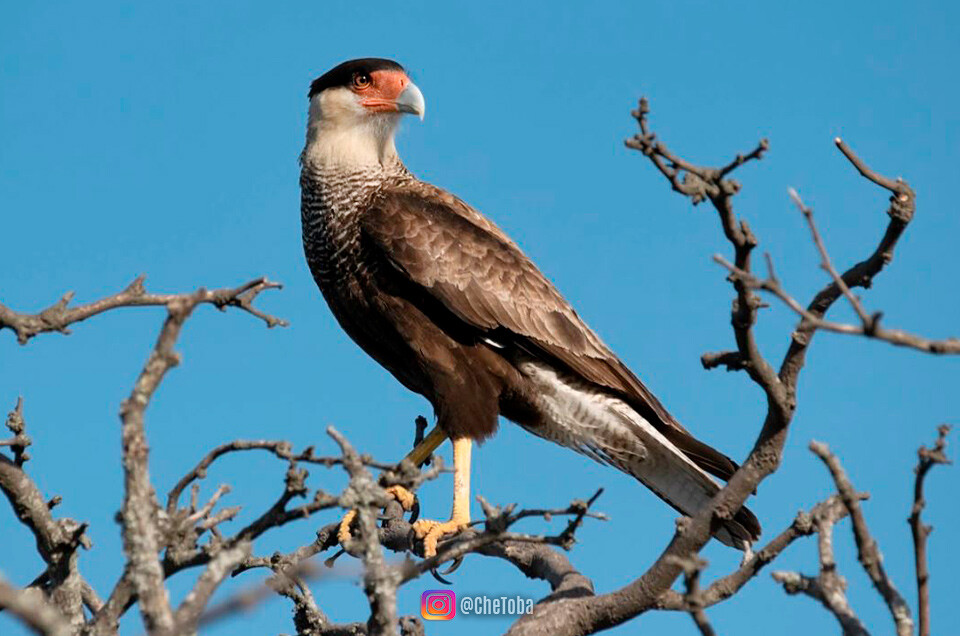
column 410, row 100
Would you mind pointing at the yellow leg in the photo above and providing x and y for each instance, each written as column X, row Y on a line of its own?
column 418, row 456
column 424, row 449
column 432, row 531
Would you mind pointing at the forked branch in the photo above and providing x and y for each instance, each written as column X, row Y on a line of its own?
column 59, row 316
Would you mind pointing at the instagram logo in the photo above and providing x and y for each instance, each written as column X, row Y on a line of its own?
column 438, row 605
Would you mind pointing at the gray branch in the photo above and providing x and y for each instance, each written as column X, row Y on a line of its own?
column 32, row 608
column 59, row 316
column 828, row 587
column 58, row 540
column 867, row 549
column 927, row 458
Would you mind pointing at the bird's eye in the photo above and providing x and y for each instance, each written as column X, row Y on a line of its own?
column 361, row 80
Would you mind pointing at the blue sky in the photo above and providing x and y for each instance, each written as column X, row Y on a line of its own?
column 163, row 138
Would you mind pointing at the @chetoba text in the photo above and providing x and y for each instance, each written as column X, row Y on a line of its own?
column 442, row 605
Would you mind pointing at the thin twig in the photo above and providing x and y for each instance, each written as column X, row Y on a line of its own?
column 825, row 261
column 693, row 598
column 812, row 321
column 20, row 440
column 927, row 459
column 280, row 448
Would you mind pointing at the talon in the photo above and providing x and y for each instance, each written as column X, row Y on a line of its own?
column 450, row 570
column 439, row 577
column 453, row 566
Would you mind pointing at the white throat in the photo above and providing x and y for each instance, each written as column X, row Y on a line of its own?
column 342, row 134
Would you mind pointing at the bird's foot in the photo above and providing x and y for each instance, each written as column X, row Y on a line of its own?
column 343, row 532
column 403, row 496
column 432, row 531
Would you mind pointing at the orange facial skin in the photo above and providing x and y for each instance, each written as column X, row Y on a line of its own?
column 380, row 90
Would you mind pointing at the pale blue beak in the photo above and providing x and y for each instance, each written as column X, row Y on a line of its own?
column 411, row 101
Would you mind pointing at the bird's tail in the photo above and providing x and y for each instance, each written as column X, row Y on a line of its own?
column 675, row 478
column 608, row 430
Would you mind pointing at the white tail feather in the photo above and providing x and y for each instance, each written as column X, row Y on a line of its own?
column 607, row 430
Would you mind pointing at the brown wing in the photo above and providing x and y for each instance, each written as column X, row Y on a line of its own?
column 467, row 264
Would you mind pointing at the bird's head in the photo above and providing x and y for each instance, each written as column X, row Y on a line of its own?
column 355, row 109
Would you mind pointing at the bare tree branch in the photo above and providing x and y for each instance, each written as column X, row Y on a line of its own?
column 497, row 522
column 380, row 580
column 927, row 459
column 32, row 608
column 725, row 587
column 59, row 316
column 867, row 550
column 901, row 211
column 700, row 184
column 529, row 553
column 20, row 440
column 289, row 580
column 809, row 319
column 280, row 448
column 141, row 539
column 828, row 587
column 588, row 615
column 161, row 541
column 796, row 583
column 181, row 538
column 732, row 360
column 188, row 614
column 58, row 540
column 869, row 323
column 545, row 563
column 139, row 514
column 825, row 261
column 693, row 599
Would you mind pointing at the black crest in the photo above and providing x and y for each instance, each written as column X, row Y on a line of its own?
column 342, row 74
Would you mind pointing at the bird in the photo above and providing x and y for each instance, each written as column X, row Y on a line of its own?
column 444, row 300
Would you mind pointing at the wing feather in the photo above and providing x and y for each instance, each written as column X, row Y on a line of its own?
column 459, row 258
